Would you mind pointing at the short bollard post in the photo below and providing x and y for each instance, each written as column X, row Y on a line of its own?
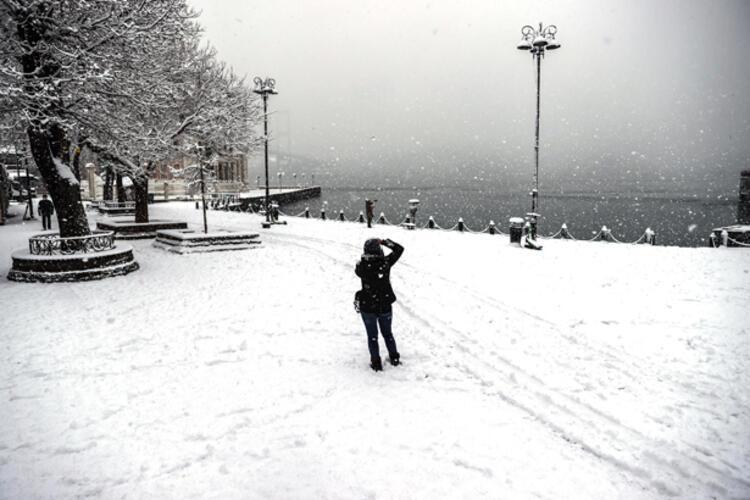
column 381, row 219
column 492, row 227
column 431, row 223
column 461, row 224
column 307, row 212
column 323, row 213
column 650, row 237
column 341, row 215
column 361, row 217
column 564, row 234
column 712, row 241
column 196, row 205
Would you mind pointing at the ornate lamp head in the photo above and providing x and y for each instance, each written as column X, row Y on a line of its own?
column 538, row 40
column 264, row 87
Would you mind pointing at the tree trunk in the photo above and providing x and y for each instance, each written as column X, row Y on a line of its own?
column 121, row 197
column 3, row 197
column 77, row 163
column 107, row 195
column 140, row 186
column 48, row 146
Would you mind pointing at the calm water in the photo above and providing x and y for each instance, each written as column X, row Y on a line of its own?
column 684, row 220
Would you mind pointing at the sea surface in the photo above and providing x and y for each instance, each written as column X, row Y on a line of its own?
column 677, row 219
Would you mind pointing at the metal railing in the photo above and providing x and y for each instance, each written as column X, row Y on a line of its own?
column 53, row 244
column 119, row 204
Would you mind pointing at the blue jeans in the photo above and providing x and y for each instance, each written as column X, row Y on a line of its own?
column 372, row 320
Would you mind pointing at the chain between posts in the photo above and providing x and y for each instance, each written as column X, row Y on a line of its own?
column 604, row 234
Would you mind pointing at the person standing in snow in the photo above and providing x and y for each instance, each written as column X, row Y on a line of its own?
column 376, row 297
column 46, row 209
column 369, row 205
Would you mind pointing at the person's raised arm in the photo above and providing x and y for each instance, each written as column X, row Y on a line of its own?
column 396, row 250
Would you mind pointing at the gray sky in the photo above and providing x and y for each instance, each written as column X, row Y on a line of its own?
column 641, row 92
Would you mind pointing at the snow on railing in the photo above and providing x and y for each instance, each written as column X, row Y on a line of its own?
column 54, row 244
column 119, row 204
column 604, row 234
column 737, row 243
column 724, row 240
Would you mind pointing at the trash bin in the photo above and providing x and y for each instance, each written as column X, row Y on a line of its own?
column 516, row 229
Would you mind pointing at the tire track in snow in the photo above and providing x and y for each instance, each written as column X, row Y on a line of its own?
column 619, row 364
column 575, row 421
column 615, row 363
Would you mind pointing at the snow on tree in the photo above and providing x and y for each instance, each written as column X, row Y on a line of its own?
column 170, row 94
column 218, row 117
column 57, row 59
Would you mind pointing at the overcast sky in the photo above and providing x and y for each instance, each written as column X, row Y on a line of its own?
column 641, row 91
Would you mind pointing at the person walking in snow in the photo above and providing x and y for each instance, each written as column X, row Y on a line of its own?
column 369, row 205
column 376, row 297
column 46, row 209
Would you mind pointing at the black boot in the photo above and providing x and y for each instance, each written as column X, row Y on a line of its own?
column 376, row 364
column 395, row 360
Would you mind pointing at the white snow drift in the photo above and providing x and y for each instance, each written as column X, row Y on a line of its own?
column 586, row 370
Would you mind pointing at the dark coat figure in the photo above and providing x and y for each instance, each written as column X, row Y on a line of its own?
column 376, row 296
column 369, row 205
column 46, row 209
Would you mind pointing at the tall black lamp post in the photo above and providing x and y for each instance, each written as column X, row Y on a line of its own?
column 538, row 42
column 264, row 88
column 28, row 184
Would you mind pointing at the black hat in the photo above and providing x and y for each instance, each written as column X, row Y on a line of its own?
column 372, row 247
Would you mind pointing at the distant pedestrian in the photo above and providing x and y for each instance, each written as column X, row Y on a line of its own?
column 376, row 296
column 369, row 205
column 46, row 209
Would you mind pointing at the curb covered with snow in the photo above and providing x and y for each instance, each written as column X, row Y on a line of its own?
column 28, row 267
column 189, row 241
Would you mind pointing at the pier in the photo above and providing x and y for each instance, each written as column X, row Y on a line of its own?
column 254, row 199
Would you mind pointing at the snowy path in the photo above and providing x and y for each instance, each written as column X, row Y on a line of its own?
column 583, row 371
column 658, row 462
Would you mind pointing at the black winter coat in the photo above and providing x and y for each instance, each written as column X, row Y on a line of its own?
column 377, row 294
column 46, row 207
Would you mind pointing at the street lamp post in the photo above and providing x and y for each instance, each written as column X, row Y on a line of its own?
column 28, row 185
column 264, row 88
column 201, row 150
column 538, row 42
column 17, row 151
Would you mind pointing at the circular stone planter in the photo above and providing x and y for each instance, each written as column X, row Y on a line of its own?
column 34, row 265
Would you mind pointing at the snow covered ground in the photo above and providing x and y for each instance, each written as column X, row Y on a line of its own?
column 586, row 370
